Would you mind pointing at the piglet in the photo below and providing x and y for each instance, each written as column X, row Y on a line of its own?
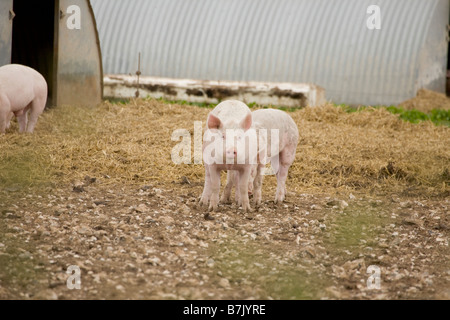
column 277, row 145
column 22, row 90
column 224, row 149
column 279, row 148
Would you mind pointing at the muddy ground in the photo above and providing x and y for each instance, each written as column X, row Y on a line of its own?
column 143, row 236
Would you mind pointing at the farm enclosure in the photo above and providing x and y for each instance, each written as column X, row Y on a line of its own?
column 96, row 188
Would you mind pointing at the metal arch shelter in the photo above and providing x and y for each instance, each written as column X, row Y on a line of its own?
column 326, row 42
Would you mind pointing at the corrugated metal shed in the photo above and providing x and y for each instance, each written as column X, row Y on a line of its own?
column 318, row 41
column 36, row 34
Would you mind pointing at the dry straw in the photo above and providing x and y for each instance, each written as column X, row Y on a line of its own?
column 368, row 151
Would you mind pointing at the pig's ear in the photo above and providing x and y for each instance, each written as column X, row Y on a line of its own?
column 213, row 122
column 247, row 122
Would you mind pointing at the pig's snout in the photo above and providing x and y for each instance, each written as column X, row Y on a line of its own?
column 231, row 153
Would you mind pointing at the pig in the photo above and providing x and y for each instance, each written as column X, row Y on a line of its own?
column 225, row 126
column 281, row 151
column 285, row 148
column 23, row 90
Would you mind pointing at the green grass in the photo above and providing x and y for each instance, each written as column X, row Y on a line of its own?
column 20, row 269
column 254, row 264
column 437, row 116
column 184, row 102
column 251, row 105
column 355, row 226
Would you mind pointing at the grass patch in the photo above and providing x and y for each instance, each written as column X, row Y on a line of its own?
column 357, row 227
column 184, row 103
column 291, row 279
column 18, row 265
column 439, row 117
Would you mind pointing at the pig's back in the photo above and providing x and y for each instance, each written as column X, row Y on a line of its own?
column 275, row 119
column 21, row 84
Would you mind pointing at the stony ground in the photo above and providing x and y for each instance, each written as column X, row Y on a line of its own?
column 153, row 242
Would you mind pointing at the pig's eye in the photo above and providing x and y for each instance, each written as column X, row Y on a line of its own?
column 223, row 136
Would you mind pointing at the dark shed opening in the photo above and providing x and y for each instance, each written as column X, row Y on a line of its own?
column 33, row 39
column 447, row 89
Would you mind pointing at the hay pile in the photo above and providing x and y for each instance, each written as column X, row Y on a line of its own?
column 131, row 144
column 426, row 101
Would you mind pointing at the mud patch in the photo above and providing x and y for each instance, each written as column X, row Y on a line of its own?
column 289, row 94
column 195, row 92
column 220, row 93
column 166, row 89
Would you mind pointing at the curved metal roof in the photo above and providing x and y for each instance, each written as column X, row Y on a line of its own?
column 319, row 41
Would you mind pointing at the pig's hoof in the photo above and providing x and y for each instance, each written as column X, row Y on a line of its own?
column 203, row 202
column 246, row 208
column 225, row 200
column 212, row 208
column 279, row 200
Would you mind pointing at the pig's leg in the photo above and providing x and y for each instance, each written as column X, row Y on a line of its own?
column 36, row 108
column 237, row 192
column 287, row 156
column 4, row 113
column 206, row 195
column 251, row 179
column 226, row 195
column 3, row 119
column 243, row 188
column 214, row 173
column 257, row 185
column 281, row 183
column 22, row 120
column 8, row 120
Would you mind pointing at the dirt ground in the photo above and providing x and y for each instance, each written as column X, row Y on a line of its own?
column 96, row 188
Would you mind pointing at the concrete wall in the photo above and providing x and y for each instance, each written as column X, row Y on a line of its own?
column 264, row 93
